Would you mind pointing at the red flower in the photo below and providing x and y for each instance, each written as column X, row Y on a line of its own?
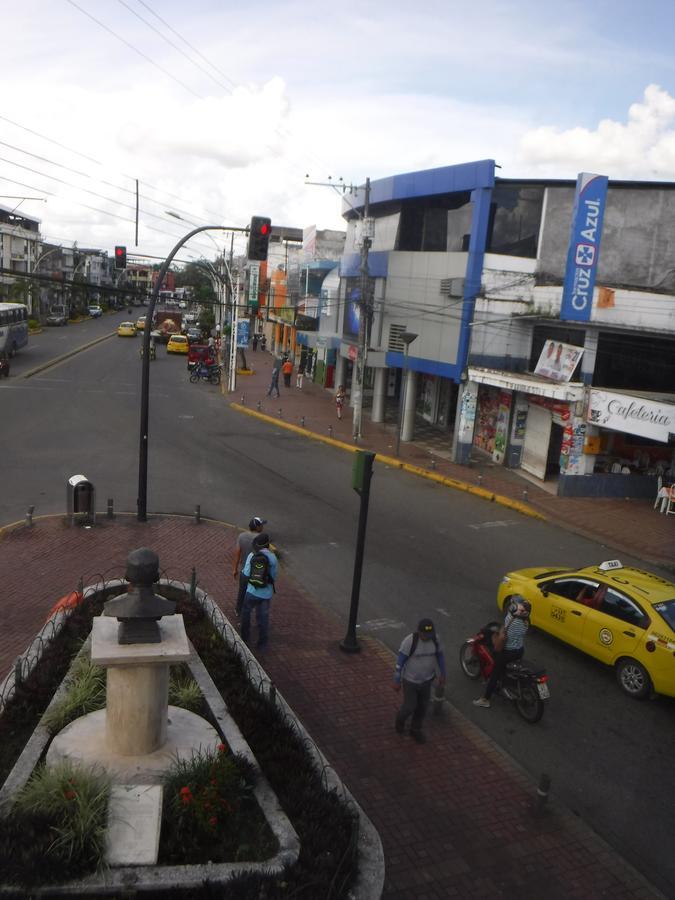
column 186, row 796
column 213, row 821
column 69, row 795
column 222, row 748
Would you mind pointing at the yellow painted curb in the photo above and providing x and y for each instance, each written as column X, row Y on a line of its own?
column 394, row 463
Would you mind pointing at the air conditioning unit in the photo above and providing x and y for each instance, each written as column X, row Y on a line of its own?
column 452, row 287
column 395, row 343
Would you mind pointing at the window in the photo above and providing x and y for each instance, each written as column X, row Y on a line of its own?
column 515, row 218
column 436, row 224
column 621, row 607
column 571, row 588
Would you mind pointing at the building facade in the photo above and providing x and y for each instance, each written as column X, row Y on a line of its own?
column 466, row 316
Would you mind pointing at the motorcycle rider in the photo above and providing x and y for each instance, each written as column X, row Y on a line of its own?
column 512, row 637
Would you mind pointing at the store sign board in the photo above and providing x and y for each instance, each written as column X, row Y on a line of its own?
column 633, row 415
column 243, row 332
column 558, row 361
column 583, row 251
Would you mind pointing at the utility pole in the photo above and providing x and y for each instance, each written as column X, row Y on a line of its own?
column 360, row 362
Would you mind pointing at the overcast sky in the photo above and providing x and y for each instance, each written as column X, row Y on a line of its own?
column 220, row 109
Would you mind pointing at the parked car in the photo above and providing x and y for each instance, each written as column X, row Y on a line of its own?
column 58, row 315
column 95, row 312
column 200, row 353
column 178, row 343
column 126, row 329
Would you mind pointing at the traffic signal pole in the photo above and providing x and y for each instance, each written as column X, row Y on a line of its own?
column 362, row 473
column 364, row 317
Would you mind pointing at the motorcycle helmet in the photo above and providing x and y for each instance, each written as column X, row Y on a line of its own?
column 519, row 607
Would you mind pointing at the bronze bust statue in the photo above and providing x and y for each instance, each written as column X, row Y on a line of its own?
column 139, row 610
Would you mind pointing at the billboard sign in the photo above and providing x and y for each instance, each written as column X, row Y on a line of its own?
column 584, row 247
column 631, row 414
column 243, row 332
column 558, row 361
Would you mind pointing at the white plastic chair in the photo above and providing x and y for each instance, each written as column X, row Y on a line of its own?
column 659, row 488
column 670, row 506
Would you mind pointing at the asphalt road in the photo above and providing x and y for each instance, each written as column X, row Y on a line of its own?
column 429, row 551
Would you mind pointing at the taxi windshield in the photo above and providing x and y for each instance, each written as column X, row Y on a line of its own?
column 667, row 611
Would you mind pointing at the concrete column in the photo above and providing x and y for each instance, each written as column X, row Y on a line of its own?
column 410, row 397
column 137, row 700
column 339, row 372
column 588, row 359
column 379, row 395
column 355, row 387
column 465, row 420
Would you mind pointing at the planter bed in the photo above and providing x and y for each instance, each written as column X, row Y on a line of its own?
column 319, row 854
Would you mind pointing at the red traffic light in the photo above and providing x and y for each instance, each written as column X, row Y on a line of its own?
column 259, row 237
column 120, row 257
column 264, row 228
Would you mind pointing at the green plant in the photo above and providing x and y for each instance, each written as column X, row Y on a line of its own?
column 56, row 828
column 86, row 693
column 209, row 811
column 185, row 692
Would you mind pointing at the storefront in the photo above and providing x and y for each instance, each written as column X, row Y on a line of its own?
column 628, row 442
column 523, row 421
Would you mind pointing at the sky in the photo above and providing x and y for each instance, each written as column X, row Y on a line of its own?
column 223, row 110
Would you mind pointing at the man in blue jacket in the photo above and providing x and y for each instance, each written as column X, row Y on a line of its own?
column 261, row 571
column 420, row 660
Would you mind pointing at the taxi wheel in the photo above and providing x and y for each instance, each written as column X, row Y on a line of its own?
column 633, row 679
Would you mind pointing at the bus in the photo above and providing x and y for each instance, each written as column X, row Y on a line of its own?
column 13, row 328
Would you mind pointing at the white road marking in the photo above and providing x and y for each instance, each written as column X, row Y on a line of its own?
column 499, row 523
column 443, row 612
column 380, row 624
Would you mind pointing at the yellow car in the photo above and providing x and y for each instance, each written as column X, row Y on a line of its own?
column 178, row 343
column 140, row 323
column 126, row 329
column 620, row 615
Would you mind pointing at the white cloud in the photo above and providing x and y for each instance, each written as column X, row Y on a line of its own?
column 642, row 147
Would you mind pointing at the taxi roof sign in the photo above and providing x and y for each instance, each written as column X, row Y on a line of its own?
column 610, row 564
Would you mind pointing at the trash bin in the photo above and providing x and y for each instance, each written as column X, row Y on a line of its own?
column 81, row 499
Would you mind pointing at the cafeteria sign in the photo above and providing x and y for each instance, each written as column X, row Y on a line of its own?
column 633, row 415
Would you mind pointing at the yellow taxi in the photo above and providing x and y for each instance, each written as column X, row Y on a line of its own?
column 623, row 616
column 178, row 343
column 140, row 323
column 126, row 329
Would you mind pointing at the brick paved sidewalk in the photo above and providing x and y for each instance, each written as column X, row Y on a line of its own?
column 455, row 816
column 626, row 525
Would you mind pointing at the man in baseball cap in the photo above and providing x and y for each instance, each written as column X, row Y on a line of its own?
column 242, row 550
column 420, row 660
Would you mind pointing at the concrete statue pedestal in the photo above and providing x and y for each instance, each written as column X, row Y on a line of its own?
column 138, row 735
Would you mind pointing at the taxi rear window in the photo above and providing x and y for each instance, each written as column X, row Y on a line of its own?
column 667, row 611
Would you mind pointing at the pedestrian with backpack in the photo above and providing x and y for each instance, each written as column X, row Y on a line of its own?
column 261, row 571
column 420, row 660
column 244, row 547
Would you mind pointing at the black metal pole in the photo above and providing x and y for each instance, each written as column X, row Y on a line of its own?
column 142, row 500
column 349, row 644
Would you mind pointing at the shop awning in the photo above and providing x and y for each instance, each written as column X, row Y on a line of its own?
column 527, row 384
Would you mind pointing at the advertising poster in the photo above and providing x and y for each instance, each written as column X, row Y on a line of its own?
column 558, row 361
column 243, row 332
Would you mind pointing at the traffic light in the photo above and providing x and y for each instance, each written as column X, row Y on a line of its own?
column 120, row 257
column 259, row 237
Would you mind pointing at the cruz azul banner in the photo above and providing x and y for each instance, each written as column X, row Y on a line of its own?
column 584, row 247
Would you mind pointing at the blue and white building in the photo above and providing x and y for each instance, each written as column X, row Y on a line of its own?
column 480, row 269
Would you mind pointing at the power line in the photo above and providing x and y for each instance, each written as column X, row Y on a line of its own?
column 135, row 49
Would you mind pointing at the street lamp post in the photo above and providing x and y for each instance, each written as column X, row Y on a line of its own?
column 142, row 499
column 407, row 337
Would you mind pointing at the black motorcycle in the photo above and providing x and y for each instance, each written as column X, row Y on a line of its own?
column 526, row 686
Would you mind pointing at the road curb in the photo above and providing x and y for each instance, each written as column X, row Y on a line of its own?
column 394, row 463
column 58, row 359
